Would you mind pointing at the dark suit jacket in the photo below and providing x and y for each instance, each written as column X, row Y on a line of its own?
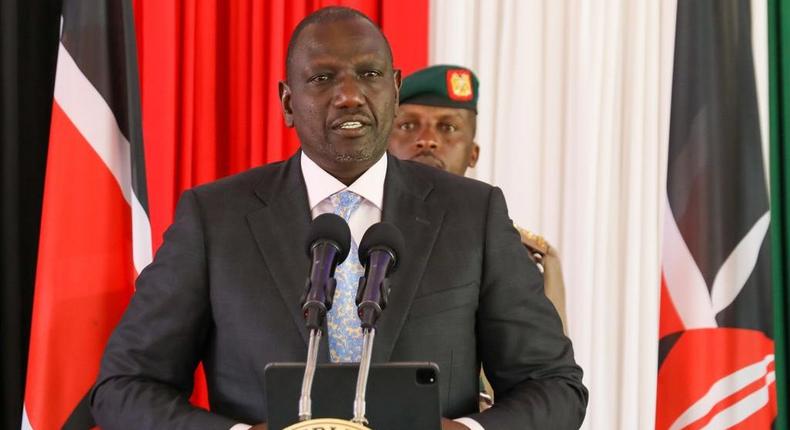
column 224, row 288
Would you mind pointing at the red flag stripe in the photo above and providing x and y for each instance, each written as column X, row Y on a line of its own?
column 84, row 277
column 723, row 388
column 762, row 418
column 687, row 394
column 730, row 411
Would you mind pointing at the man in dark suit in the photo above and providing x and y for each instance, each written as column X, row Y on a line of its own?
column 224, row 287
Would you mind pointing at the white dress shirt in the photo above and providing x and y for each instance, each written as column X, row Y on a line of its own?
column 370, row 186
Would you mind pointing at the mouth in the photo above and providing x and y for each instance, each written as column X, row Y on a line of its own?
column 351, row 127
column 429, row 159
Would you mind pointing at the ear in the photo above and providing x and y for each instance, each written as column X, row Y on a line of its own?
column 473, row 155
column 285, row 103
column 396, row 75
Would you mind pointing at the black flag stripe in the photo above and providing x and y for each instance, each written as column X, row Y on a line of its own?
column 715, row 153
column 716, row 181
column 99, row 36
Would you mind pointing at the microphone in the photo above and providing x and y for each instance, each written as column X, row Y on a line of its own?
column 328, row 243
column 378, row 252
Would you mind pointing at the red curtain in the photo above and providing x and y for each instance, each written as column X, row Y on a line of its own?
column 209, row 72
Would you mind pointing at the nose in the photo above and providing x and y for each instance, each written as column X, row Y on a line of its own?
column 427, row 139
column 348, row 94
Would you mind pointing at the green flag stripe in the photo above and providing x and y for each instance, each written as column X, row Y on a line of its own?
column 779, row 81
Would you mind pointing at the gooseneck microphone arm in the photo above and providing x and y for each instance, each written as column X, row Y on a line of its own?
column 378, row 252
column 328, row 244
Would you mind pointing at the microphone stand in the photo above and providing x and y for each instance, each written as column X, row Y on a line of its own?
column 369, row 308
column 305, row 403
column 315, row 306
column 362, row 378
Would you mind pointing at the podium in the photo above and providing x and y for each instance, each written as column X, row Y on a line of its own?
column 399, row 396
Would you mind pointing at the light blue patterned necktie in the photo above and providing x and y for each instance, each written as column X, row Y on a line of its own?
column 345, row 333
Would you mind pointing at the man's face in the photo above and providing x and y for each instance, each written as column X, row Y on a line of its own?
column 341, row 95
column 438, row 136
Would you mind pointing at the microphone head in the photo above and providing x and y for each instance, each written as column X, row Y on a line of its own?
column 382, row 235
column 330, row 227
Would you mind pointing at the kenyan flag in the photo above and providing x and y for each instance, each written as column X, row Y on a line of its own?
column 718, row 361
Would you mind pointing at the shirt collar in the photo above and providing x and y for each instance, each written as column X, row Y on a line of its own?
column 321, row 184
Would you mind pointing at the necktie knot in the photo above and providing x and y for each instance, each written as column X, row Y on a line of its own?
column 345, row 203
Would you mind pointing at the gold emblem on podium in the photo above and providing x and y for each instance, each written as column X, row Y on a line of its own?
column 326, row 424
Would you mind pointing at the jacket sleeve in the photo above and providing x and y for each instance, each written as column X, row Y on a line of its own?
column 525, row 355
column 146, row 374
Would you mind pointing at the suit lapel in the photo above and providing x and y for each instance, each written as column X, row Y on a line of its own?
column 405, row 206
column 280, row 230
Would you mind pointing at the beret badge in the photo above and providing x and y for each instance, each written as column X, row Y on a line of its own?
column 459, row 84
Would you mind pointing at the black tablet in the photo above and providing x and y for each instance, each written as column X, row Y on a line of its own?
column 399, row 395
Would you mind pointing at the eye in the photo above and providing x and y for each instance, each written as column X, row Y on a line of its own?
column 319, row 78
column 448, row 128
column 370, row 74
column 406, row 126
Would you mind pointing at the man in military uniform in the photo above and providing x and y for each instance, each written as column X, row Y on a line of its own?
column 436, row 125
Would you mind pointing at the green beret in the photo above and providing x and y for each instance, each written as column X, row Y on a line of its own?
column 443, row 85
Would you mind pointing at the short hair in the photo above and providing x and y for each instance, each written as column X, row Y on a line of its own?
column 327, row 15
